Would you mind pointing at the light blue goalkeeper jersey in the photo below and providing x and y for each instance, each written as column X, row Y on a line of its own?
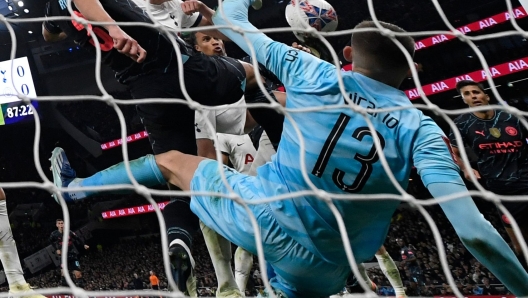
column 340, row 156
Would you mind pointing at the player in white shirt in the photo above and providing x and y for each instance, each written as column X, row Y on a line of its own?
column 9, row 256
column 169, row 13
column 238, row 152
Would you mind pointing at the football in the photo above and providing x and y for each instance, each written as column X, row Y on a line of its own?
column 317, row 14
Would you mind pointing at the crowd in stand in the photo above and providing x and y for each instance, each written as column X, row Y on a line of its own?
column 113, row 267
column 470, row 276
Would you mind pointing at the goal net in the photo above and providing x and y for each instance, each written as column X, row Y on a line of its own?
column 486, row 44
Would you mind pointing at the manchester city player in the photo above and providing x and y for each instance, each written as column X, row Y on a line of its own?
column 300, row 235
column 498, row 139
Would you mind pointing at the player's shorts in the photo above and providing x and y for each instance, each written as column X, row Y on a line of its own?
column 519, row 210
column 231, row 121
column 300, row 273
column 73, row 265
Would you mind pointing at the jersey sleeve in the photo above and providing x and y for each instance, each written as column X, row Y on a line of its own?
column 186, row 21
column 295, row 68
column 433, row 156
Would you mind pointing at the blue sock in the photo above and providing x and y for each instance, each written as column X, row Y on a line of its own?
column 144, row 169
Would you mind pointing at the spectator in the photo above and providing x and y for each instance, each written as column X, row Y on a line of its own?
column 488, row 289
column 137, row 282
column 154, row 281
column 408, row 259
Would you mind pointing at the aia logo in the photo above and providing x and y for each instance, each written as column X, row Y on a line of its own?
column 480, row 132
column 511, row 131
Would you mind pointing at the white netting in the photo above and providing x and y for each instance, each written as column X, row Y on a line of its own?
column 147, row 193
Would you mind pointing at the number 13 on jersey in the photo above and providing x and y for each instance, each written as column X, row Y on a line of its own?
column 365, row 161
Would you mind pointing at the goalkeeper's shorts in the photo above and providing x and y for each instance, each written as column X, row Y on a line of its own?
column 300, row 273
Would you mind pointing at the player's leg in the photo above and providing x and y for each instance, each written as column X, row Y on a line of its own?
column 389, row 269
column 243, row 265
column 9, row 255
column 219, row 249
column 299, row 272
column 366, row 278
column 65, row 176
column 171, row 127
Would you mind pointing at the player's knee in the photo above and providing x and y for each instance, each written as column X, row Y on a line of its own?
column 166, row 162
column 2, row 194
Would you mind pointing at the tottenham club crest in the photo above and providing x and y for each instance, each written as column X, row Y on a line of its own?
column 495, row 132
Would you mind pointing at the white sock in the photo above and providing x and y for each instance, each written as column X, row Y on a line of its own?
column 220, row 251
column 390, row 270
column 363, row 272
column 8, row 250
column 243, row 265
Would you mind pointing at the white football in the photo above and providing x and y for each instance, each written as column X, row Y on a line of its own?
column 317, row 14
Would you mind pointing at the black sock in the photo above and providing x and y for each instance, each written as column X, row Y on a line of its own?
column 181, row 222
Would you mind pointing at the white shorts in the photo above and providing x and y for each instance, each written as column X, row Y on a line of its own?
column 230, row 120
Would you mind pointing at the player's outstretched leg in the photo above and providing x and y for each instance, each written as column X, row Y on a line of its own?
column 182, row 267
column 65, row 176
column 9, row 256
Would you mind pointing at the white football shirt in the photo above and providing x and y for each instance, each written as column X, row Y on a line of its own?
column 240, row 150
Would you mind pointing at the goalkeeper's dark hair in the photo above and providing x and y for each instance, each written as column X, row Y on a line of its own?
column 465, row 83
column 380, row 49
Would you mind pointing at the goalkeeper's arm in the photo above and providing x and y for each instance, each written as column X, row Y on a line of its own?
column 436, row 166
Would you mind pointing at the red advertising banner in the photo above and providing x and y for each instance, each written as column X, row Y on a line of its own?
column 131, row 211
column 500, row 18
column 477, row 76
column 130, row 139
